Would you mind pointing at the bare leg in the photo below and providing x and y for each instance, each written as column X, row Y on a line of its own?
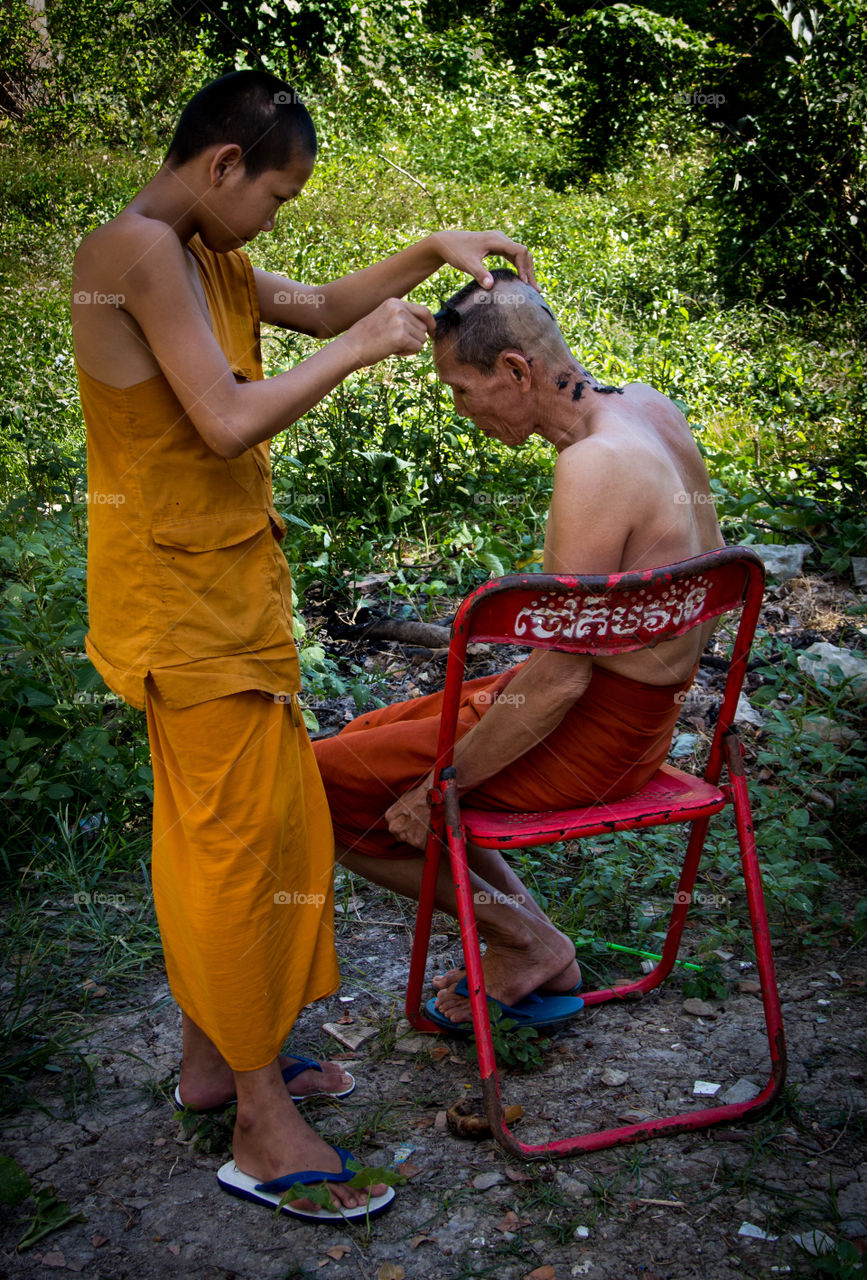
column 207, row 1079
column 490, row 865
column 524, row 950
column 271, row 1139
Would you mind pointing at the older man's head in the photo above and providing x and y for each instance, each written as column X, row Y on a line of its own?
column 499, row 349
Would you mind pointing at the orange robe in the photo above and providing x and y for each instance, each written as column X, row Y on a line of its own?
column 190, row 612
column 607, row 746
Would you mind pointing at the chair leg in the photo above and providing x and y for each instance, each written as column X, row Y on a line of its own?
column 758, row 919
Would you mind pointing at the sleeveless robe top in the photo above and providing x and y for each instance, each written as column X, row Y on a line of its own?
column 186, row 580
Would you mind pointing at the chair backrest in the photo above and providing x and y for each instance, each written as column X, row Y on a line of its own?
column 607, row 615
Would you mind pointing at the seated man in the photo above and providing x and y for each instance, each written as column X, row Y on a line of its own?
column 559, row 730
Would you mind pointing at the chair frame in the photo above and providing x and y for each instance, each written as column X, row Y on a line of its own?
column 618, row 613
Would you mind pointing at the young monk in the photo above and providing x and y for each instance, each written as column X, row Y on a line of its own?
column 190, row 597
column 560, row 730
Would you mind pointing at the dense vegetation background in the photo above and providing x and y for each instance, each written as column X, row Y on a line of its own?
column 691, row 180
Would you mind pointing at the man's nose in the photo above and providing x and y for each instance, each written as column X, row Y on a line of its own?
column 269, row 225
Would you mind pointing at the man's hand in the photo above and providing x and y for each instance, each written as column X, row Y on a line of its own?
column 409, row 817
column 467, row 251
column 394, row 328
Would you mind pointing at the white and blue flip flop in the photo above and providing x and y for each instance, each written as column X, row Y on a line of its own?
column 237, row 1183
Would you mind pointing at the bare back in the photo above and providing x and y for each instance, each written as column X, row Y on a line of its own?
column 634, row 494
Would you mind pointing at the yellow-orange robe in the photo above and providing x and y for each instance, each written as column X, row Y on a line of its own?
column 190, row 615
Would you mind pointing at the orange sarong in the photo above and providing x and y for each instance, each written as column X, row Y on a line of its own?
column 242, row 869
column 606, row 747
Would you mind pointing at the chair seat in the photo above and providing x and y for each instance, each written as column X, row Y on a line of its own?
column 670, row 796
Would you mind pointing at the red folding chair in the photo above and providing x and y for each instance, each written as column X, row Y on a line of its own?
column 602, row 616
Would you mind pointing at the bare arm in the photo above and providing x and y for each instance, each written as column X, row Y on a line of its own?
column 588, row 526
column 231, row 417
column 329, row 309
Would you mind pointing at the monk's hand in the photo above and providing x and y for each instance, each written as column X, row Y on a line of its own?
column 467, row 251
column 409, row 817
column 395, row 328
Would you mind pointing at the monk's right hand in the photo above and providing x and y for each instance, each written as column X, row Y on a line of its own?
column 395, row 328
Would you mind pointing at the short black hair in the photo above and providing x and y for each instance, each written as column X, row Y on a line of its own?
column 480, row 333
column 258, row 111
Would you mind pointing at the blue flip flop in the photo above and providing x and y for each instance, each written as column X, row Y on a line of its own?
column 534, row 1010
column 238, row 1183
column 295, row 1068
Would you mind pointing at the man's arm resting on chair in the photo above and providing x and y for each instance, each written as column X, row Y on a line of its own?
column 537, row 699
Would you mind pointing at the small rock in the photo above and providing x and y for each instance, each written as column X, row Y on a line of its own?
column 611, row 1076
column 784, row 562
column 745, row 713
column 853, row 1228
column 750, row 988
column 484, row 1181
column 581, row 1233
column 742, row 1090
column 828, row 664
column 698, row 1008
column 826, row 730
column 54, row 1258
column 859, row 571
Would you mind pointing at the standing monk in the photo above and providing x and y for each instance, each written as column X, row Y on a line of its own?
column 560, row 730
column 190, row 598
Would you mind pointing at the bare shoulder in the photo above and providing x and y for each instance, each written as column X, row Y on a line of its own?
column 130, row 245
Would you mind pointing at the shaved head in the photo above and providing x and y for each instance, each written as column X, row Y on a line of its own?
column 481, row 323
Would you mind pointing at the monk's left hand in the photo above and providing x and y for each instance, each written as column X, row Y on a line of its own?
column 467, row 251
column 409, row 817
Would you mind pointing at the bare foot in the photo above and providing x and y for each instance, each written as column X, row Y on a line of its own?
column 562, row 983
column 512, row 972
column 271, row 1140
column 203, row 1091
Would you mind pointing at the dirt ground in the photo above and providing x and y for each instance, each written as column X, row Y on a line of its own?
column 671, row 1209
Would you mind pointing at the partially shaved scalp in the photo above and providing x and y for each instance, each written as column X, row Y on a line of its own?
column 480, row 323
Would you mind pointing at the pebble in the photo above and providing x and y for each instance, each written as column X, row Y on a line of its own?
column 611, row 1076
column 742, row 1090
column 484, row 1181
column 698, row 1008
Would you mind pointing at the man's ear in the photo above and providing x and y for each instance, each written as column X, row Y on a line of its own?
column 223, row 161
column 518, row 368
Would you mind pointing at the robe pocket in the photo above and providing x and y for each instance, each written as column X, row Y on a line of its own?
column 219, row 577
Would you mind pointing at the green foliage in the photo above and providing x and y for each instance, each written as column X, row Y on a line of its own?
column 790, row 177
column 14, row 1182
column 49, row 1214
column 515, row 1046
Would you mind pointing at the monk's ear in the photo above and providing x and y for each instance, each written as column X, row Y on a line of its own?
column 518, row 369
column 224, row 160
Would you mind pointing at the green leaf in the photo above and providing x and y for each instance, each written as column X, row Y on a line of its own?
column 51, row 1214
column 14, row 1182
